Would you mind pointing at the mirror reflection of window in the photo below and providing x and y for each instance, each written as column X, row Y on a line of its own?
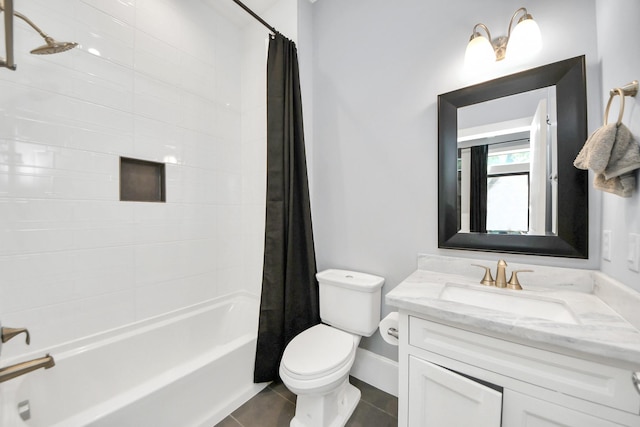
column 508, row 188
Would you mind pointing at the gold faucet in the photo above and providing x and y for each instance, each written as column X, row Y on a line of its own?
column 501, row 277
column 501, row 274
column 25, row 367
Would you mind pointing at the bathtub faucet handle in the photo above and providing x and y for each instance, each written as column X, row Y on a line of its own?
column 8, row 333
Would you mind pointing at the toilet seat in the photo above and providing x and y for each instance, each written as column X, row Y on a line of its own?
column 318, row 352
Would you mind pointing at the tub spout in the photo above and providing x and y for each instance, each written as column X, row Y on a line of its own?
column 25, row 367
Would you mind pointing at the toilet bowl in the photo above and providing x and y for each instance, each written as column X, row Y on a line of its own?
column 318, row 359
column 316, row 363
column 315, row 366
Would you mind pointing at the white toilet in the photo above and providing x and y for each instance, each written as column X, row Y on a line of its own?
column 316, row 363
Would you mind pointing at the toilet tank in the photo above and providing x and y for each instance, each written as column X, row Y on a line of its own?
column 350, row 301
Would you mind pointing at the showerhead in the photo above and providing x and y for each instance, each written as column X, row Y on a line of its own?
column 53, row 46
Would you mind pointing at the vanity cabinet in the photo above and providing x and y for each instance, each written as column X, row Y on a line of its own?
column 451, row 377
column 439, row 397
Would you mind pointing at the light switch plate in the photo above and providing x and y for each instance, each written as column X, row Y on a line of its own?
column 606, row 245
column 633, row 256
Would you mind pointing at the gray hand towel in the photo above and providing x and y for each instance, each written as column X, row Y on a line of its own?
column 597, row 150
column 625, row 154
column 612, row 153
column 622, row 185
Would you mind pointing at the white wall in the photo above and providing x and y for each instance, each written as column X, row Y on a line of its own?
column 304, row 43
column 378, row 70
column 618, row 33
column 168, row 86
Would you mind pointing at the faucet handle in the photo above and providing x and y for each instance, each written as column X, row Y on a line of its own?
column 513, row 281
column 488, row 278
column 8, row 333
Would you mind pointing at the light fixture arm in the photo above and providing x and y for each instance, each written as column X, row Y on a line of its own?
column 499, row 45
column 526, row 15
column 475, row 33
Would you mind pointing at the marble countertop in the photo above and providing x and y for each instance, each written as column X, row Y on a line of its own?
column 601, row 332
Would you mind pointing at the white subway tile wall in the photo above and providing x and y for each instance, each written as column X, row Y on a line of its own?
column 162, row 80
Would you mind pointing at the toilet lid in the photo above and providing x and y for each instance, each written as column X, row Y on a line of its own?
column 318, row 350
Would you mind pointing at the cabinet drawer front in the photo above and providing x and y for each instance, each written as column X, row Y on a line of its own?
column 520, row 410
column 576, row 377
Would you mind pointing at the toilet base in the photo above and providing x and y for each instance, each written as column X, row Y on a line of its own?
column 327, row 410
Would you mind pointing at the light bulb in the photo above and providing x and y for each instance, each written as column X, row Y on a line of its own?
column 525, row 40
column 479, row 54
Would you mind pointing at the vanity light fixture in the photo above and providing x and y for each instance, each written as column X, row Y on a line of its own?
column 525, row 39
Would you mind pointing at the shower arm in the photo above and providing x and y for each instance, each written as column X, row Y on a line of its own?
column 24, row 18
column 44, row 35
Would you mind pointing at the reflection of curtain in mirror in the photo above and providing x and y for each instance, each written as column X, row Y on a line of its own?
column 478, row 208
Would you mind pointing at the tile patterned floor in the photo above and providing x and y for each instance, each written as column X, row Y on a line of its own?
column 275, row 407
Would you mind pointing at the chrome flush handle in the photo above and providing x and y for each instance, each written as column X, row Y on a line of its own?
column 635, row 377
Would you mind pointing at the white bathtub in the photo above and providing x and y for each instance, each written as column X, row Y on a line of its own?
column 189, row 368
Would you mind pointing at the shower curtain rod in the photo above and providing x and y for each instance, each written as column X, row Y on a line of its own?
column 255, row 15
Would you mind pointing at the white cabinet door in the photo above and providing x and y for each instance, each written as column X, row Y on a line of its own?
column 441, row 398
column 521, row 410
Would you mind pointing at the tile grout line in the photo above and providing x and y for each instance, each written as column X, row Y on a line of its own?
column 282, row 396
column 379, row 409
column 236, row 420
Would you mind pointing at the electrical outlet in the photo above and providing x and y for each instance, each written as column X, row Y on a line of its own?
column 633, row 256
column 606, row 245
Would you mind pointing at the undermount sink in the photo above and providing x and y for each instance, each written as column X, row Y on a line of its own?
column 509, row 301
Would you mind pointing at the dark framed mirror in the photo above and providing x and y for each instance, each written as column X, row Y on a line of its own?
column 508, row 184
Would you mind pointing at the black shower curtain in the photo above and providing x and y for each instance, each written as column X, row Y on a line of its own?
column 289, row 302
column 478, row 202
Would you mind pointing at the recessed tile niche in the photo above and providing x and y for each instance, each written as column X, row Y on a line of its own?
column 141, row 181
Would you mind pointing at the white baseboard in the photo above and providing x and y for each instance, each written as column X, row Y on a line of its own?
column 376, row 370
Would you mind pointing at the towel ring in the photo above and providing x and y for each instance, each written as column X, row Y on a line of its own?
column 619, row 92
